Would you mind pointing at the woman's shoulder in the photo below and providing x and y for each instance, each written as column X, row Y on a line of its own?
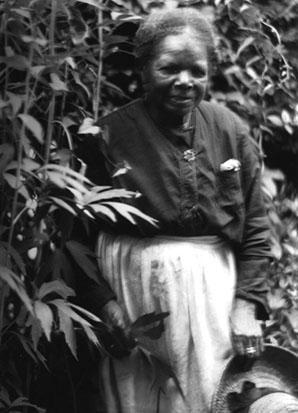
column 223, row 118
column 219, row 112
column 121, row 114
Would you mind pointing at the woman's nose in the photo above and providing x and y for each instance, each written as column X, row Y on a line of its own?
column 184, row 79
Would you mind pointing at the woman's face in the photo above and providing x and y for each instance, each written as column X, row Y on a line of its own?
column 176, row 77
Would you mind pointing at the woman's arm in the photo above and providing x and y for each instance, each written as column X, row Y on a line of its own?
column 253, row 256
column 254, row 253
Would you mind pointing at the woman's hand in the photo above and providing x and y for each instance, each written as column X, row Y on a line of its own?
column 118, row 342
column 247, row 337
column 112, row 314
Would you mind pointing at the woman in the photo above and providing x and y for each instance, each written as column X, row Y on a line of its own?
column 198, row 174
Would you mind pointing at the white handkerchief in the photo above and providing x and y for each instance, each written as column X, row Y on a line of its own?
column 230, row 165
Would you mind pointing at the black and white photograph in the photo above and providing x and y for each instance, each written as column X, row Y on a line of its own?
column 148, row 206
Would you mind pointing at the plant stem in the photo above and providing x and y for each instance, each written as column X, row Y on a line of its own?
column 4, row 287
column 96, row 100
column 53, row 99
column 50, row 128
column 72, row 387
column 52, row 27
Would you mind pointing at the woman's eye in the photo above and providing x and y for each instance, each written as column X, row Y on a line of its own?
column 170, row 70
column 199, row 72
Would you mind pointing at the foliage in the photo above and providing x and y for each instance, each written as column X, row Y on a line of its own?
column 282, row 328
column 48, row 74
column 62, row 65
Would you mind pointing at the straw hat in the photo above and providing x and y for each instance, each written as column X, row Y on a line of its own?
column 275, row 403
column 259, row 382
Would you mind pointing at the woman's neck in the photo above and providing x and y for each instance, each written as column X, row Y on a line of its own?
column 168, row 120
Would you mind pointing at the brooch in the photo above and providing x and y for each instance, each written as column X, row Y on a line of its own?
column 189, row 155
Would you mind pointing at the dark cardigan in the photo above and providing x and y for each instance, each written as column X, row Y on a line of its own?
column 182, row 186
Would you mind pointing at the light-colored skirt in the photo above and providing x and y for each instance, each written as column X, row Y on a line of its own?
column 192, row 278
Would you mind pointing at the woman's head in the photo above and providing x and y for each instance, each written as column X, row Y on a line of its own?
column 160, row 24
column 174, row 50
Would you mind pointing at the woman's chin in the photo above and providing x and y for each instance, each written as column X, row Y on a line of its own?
column 180, row 108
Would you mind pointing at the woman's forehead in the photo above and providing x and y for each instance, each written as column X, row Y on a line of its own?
column 187, row 42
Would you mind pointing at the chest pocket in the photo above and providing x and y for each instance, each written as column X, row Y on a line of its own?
column 229, row 195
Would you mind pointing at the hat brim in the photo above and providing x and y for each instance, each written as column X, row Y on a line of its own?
column 276, row 368
column 275, row 403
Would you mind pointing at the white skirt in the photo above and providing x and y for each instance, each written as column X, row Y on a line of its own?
column 193, row 278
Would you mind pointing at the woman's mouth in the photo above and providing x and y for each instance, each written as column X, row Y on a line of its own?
column 182, row 100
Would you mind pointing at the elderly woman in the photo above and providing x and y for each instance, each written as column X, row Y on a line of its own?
column 198, row 174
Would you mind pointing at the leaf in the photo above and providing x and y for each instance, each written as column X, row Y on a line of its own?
column 289, row 129
column 286, row 117
column 33, row 125
column 292, row 316
column 12, row 180
column 45, row 316
column 149, row 318
column 57, row 179
column 16, row 101
column 14, row 183
column 143, row 326
column 80, row 253
column 108, row 194
column 41, row 41
column 162, row 371
column 276, row 299
column 253, row 74
column 36, row 330
column 29, row 165
column 271, row 32
column 101, row 209
column 58, row 287
column 75, row 183
column 33, row 353
column 66, row 309
column 23, row 402
column 6, row 155
column 95, row 3
column 61, row 267
column 88, row 127
column 125, row 17
column 16, row 257
column 153, row 332
column 65, row 181
column 66, row 171
column 32, row 253
column 63, row 205
column 78, row 28
column 57, row 84
column 17, row 62
column 80, row 83
column 276, row 120
column 4, row 396
column 37, row 70
column 270, row 178
column 16, row 285
column 93, row 317
column 71, row 62
column 66, row 327
column 22, row 12
column 121, row 169
column 126, row 210
column 247, row 42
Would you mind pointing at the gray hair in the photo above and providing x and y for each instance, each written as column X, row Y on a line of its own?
column 162, row 23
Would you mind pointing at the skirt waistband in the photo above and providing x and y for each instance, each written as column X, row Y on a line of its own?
column 204, row 239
